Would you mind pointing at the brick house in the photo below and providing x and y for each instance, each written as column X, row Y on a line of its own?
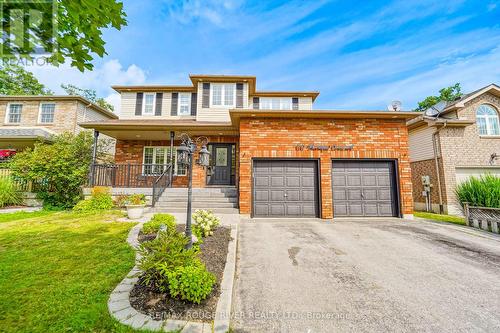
column 27, row 119
column 451, row 142
column 280, row 156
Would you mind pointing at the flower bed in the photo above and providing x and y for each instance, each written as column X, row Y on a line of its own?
column 148, row 298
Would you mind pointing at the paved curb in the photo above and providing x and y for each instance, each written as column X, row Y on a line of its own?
column 120, row 308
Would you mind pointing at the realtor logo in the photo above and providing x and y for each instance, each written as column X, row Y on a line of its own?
column 28, row 28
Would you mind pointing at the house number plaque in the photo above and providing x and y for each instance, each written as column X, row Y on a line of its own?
column 302, row 147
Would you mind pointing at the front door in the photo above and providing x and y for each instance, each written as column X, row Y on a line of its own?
column 221, row 164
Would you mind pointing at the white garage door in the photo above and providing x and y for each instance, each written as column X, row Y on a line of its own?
column 462, row 174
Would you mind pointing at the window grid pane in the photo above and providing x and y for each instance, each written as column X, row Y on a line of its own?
column 185, row 104
column 148, row 160
column 229, row 94
column 15, row 113
column 47, row 115
column 216, row 94
column 149, row 103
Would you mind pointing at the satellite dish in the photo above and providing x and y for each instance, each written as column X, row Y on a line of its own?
column 394, row 106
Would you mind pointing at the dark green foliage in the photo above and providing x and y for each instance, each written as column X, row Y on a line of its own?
column 100, row 200
column 167, row 251
column 88, row 94
column 15, row 80
column 78, row 36
column 156, row 221
column 446, row 94
column 483, row 191
column 9, row 194
column 191, row 283
column 60, row 168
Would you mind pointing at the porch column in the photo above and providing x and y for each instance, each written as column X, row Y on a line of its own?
column 94, row 157
column 172, row 136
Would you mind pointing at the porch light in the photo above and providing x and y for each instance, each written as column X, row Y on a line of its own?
column 183, row 154
column 204, row 156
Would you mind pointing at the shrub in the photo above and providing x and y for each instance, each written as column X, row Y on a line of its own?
column 135, row 199
column 205, row 222
column 100, row 200
column 59, row 169
column 191, row 283
column 156, row 221
column 121, row 200
column 483, row 191
column 9, row 194
column 166, row 252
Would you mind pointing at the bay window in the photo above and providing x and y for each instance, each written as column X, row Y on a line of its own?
column 223, row 95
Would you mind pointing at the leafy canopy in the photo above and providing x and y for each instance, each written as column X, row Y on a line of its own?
column 89, row 94
column 449, row 94
column 15, row 80
column 60, row 168
column 78, row 33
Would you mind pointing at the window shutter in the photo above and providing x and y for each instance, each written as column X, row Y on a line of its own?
column 138, row 104
column 194, row 101
column 256, row 103
column 159, row 101
column 175, row 100
column 239, row 95
column 295, row 103
column 206, row 96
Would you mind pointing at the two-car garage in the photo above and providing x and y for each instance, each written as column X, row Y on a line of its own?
column 291, row 188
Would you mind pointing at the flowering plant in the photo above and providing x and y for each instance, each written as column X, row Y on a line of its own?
column 205, row 222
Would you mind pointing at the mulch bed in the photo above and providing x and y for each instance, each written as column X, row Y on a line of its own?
column 158, row 305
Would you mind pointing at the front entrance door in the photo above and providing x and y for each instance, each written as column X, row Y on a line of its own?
column 221, row 164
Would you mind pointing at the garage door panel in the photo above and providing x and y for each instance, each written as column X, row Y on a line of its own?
column 363, row 188
column 290, row 189
column 292, row 195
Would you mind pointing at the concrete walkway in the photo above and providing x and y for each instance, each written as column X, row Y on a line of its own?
column 366, row 276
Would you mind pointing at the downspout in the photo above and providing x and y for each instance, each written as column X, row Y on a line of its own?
column 437, row 150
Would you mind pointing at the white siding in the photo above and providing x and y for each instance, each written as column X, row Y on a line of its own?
column 128, row 107
column 84, row 114
column 420, row 144
column 217, row 114
column 305, row 103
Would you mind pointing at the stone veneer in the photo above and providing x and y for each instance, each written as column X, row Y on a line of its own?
column 276, row 138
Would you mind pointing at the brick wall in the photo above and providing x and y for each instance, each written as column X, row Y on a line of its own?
column 373, row 138
column 131, row 151
column 464, row 147
column 419, row 169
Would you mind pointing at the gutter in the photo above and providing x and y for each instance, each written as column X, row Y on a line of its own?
column 436, row 162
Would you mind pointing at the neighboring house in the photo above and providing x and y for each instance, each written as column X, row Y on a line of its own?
column 284, row 158
column 453, row 141
column 27, row 119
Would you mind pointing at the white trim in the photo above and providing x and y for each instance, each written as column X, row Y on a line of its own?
column 7, row 113
column 40, row 113
column 143, row 111
column 487, row 120
column 167, row 154
column 461, row 104
column 179, row 104
column 223, row 89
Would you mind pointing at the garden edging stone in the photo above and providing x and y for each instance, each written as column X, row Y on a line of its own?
column 120, row 308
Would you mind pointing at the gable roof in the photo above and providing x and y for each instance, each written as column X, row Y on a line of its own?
column 460, row 103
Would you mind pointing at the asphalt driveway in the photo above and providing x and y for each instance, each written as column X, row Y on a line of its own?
column 365, row 276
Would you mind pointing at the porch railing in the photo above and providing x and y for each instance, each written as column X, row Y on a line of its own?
column 483, row 218
column 126, row 175
column 160, row 184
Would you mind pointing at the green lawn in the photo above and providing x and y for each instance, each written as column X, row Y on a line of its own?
column 57, row 270
column 440, row 217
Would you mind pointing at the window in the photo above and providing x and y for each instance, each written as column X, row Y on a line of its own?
column 184, row 104
column 487, row 120
column 14, row 113
column 275, row 103
column 223, row 94
column 149, row 104
column 47, row 112
column 157, row 158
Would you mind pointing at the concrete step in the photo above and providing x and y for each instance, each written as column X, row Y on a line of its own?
column 198, row 195
column 183, row 210
column 196, row 199
column 202, row 190
column 198, row 204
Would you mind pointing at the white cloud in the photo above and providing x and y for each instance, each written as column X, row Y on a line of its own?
column 100, row 79
column 212, row 10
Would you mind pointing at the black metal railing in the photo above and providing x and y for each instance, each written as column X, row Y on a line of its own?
column 160, row 184
column 126, row 175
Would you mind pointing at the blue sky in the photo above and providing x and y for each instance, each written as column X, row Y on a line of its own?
column 358, row 54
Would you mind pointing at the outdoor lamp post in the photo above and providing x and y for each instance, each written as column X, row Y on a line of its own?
column 185, row 157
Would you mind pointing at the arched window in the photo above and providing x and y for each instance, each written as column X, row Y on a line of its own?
column 487, row 120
